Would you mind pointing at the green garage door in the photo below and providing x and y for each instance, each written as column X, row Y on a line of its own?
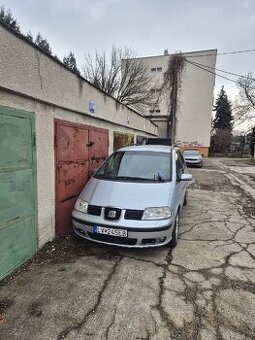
column 18, row 228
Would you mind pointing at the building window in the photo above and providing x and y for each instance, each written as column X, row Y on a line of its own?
column 155, row 110
column 156, row 69
column 154, row 90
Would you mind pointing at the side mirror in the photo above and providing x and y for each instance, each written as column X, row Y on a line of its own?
column 186, row 177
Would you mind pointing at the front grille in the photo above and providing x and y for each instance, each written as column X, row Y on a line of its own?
column 133, row 214
column 112, row 214
column 113, row 239
column 153, row 240
column 94, row 210
column 148, row 241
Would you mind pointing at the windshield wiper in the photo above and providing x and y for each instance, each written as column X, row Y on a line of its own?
column 128, row 178
column 105, row 176
column 135, row 178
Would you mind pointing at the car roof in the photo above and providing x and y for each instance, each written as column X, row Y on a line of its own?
column 150, row 148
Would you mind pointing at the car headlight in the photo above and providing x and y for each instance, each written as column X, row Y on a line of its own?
column 156, row 213
column 81, row 205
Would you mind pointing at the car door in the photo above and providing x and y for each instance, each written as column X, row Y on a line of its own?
column 180, row 185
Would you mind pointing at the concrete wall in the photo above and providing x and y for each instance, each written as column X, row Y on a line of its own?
column 195, row 96
column 26, row 70
column 196, row 100
column 31, row 81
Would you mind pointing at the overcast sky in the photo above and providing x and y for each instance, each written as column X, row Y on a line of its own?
column 147, row 26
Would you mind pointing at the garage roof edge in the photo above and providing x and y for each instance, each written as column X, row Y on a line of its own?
column 32, row 44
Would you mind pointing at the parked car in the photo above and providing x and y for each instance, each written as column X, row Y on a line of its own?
column 135, row 198
column 193, row 157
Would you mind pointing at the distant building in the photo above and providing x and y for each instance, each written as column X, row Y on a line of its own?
column 195, row 98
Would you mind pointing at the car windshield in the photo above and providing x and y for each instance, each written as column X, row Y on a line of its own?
column 136, row 166
column 191, row 153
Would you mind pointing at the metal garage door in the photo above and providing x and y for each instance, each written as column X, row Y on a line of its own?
column 98, row 147
column 78, row 149
column 18, row 226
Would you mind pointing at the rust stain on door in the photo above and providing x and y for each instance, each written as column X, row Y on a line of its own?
column 98, row 149
column 79, row 149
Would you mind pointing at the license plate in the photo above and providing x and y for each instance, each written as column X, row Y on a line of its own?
column 110, row 231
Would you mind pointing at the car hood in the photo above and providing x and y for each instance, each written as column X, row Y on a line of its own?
column 127, row 195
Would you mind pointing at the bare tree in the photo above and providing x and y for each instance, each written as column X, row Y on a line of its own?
column 121, row 75
column 171, row 86
column 220, row 141
column 245, row 104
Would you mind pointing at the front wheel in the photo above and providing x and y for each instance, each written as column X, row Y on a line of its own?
column 173, row 242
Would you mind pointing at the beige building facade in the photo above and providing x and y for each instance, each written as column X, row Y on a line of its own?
column 195, row 98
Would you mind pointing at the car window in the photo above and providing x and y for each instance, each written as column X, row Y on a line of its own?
column 180, row 165
column 137, row 165
column 182, row 160
column 187, row 153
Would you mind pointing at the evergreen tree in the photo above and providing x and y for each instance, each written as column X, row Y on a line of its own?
column 7, row 17
column 70, row 62
column 223, row 118
column 29, row 36
column 42, row 42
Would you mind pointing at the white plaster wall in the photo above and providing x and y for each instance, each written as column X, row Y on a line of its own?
column 44, row 118
column 156, row 78
column 24, row 69
column 196, row 99
column 195, row 96
column 162, row 127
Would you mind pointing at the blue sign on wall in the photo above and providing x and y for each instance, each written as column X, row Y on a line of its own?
column 91, row 106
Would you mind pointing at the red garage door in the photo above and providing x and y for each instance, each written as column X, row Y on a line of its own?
column 98, row 147
column 78, row 149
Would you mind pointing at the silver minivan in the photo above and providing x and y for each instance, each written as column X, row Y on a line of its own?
column 134, row 199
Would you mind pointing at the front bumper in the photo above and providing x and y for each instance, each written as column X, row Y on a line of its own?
column 139, row 235
column 194, row 162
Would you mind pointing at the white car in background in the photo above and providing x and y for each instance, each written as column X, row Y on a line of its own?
column 193, row 157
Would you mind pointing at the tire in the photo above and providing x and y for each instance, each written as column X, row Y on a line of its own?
column 173, row 242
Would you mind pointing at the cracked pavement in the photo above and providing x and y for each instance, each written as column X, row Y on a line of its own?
column 203, row 289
